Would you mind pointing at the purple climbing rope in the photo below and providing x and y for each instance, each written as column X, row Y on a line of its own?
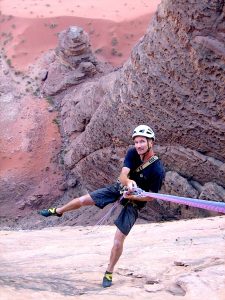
column 109, row 213
column 205, row 204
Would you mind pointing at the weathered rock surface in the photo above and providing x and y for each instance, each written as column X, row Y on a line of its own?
column 74, row 47
column 184, row 111
column 29, row 146
column 71, row 63
column 173, row 81
column 175, row 260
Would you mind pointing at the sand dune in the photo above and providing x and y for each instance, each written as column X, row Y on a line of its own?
column 30, row 28
column 113, row 44
column 116, row 10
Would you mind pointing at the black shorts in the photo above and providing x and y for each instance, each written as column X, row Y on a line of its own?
column 126, row 218
column 106, row 195
column 110, row 194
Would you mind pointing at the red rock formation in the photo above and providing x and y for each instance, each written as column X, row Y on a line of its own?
column 174, row 81
column 71, row 63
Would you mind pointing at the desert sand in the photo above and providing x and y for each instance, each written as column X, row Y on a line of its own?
column 29, row 28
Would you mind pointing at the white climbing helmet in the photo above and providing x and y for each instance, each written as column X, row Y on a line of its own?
column 143, row 130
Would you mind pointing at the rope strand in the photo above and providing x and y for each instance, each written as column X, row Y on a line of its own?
column 109, row 213
column 205, row 204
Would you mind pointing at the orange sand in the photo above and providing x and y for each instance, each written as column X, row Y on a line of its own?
column 29, row 28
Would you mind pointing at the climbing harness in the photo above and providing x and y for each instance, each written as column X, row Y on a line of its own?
column 205, row 204
column 122, row 190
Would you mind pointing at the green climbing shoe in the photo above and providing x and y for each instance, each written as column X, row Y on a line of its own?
column 49, row 212
column 107, row 279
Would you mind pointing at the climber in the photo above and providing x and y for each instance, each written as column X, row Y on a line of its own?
column 141, row 169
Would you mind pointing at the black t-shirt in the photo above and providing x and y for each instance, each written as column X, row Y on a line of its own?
column 150, row 178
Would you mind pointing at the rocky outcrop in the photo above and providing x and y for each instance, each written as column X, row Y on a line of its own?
column 173, row 81
column 74, row 47
column 70, row 64
column 78, row 106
